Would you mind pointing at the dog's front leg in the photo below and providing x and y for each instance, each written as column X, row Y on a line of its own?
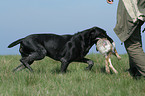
column 88, row 61
column 64, row 65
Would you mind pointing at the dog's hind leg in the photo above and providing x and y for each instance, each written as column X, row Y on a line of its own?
column 25, row 63
column 38, row 55
column 21, row 67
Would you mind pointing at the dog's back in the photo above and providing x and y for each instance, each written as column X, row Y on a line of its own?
column 52, row 43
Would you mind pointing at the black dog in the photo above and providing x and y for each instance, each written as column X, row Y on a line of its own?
column 64, row 48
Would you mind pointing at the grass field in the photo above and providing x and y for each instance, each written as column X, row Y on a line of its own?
column 47, row 81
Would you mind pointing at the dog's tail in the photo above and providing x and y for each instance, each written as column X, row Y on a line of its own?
column 15, row 43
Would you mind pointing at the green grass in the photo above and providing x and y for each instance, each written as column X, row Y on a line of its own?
column 47, row 81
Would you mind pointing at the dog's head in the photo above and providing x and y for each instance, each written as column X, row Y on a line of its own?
column 97, row 33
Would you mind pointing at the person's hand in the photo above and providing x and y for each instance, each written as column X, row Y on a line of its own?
column 110, row 1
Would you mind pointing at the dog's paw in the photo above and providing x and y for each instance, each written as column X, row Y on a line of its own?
column 89, row 67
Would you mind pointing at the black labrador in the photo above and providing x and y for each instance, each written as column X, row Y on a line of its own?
column 63, row 48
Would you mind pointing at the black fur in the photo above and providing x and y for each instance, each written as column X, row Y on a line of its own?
column 63, row 48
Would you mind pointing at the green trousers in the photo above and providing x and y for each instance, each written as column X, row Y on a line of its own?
column 136, row 54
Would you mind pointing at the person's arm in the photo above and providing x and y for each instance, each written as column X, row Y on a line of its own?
column 110, row 1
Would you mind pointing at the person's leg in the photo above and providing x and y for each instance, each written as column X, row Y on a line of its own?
column 136, row 54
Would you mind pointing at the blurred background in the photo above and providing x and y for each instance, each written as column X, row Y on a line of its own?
column 19, row 18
